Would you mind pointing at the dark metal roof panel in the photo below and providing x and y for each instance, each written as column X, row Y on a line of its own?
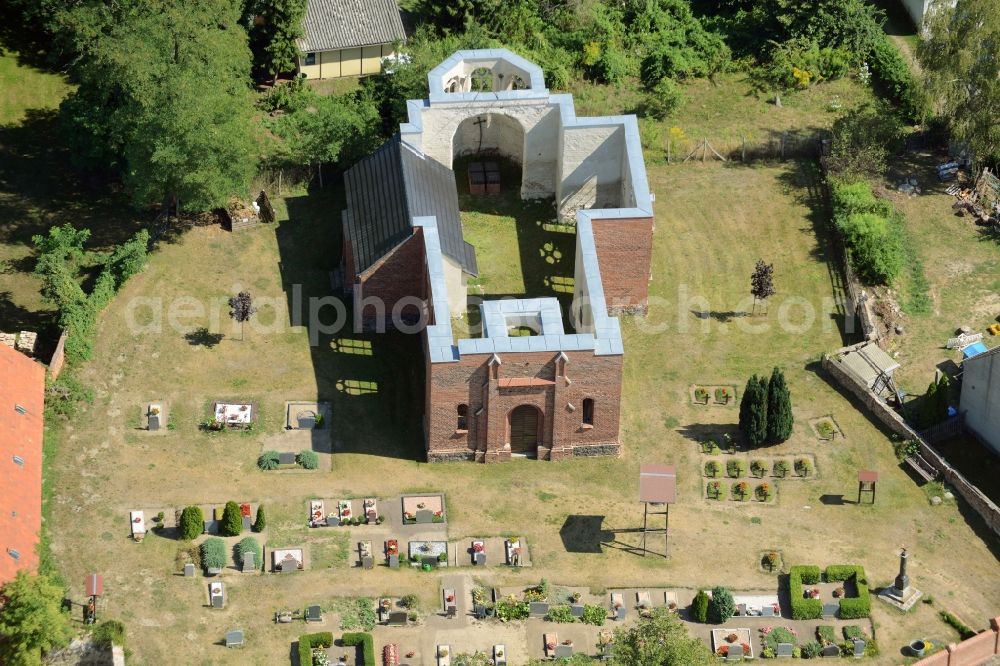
column 376, row 198
column 344, row 24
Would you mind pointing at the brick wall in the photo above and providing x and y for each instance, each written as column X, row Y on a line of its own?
column 472, row 382
column 58, row 357
column 971, row 652
column 396, row 275
column 624, row 253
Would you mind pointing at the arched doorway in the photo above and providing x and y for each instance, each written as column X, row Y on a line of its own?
column 523, row 430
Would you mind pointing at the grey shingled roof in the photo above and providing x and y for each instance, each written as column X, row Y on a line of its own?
column 390, row 187
column 344, row 24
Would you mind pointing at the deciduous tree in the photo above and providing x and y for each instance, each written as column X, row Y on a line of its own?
column 274, row 25
column 32, row 621
column 762, row 282
column 959, row 58
column 241, row 309
column 660, row 640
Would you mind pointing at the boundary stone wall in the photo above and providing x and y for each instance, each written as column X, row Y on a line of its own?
column 970, row 652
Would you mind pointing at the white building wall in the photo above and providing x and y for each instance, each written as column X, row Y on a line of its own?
column 456, row 281
column 980, row 400
column 591, row 174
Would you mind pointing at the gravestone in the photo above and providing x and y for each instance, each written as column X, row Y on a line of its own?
column 424, row 516
column 247, row 523
column 332, row 521
column 830, row 651
column 211, row 527
column 620, row 614
column 213, row 571
column 451, row 611
column 367, row 562
column 217, row 601
column 154, row 422
column 397, row 619
column 735, row 653
column 248, row 563
column 784, row 650
column 577, row 610
column 306, row 419
column 859, row 647
column 286, row 458
column 394, row 561
column 538, row 608
column 189, row 570
column 480, row 559
column 741, row 610
column 767, row 611
column 479, row 610
column 564, row 652
column 830, row 610
column 234, row 638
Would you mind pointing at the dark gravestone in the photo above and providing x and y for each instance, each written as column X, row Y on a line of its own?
column 332, row 521
column 367, row 562
column 430, row 561
column 154, row 421
column 830, row 610
column 189, row 570
column 784, row 650
column 286, row 458
column 767, row 611
column 234, row 638
column 397, row 619
column 314, row 614
column 394, row 561
column 451, row 611
column 564, row 652
column 830, row 651
column 248, row 563
column 620, row 614
column 211, row 527
column 217, row 601
column 479, row 610
column 538, row 608
column 859, row 647
column 577, row 610
column 480, row 559
column 424, row 516
column 735, row 653
column 306, row 420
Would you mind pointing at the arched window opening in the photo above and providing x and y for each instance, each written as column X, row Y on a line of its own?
column 588, row 411
column 463, row 417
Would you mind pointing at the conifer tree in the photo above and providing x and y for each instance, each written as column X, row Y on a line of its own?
column 261, row 522
column 753, row 411
column 779, row 408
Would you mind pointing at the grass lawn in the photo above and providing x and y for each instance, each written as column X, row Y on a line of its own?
column 167, row 337
column 700, row 250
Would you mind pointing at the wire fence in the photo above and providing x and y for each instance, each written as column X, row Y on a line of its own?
column 791, row 144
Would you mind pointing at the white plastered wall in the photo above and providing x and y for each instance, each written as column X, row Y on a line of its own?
column 591, row 168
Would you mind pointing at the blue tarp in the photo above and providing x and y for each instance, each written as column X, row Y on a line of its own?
column 974, row 350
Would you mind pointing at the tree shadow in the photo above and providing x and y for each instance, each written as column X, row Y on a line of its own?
column 202, row 337
column 835, row 500
column 720, row 316
column 584, row 534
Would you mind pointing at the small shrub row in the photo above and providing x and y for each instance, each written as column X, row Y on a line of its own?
column 963, row 629
column 307, row 642
column 269, row 460
column 803, row 609
column 367, row 645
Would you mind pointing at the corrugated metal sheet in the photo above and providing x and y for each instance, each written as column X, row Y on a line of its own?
column 390, row 187
column 344, row 24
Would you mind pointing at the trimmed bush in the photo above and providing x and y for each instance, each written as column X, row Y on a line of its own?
column 192, row 522
column 365, row 641
column 249, row 545
column 963, row 629
column 232, row 520
column 261, row 522
column 836, row 573
column 213, row 553
column 268, row 460
column 108, row 632
column 803, row 609
column 699, row 607
column 721, row 606
column 736, row 468
column 307, row 642
column 594, row 614
column 308, row 459
column 560, row 613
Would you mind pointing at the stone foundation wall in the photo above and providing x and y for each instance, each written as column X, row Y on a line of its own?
column 983, row 505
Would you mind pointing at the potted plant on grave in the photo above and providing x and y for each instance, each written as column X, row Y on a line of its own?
column 839, row 592
column 450, row 598
column 442, row 558
column 443, row 652
column 732, row 638
column 722, row 651
column 575, row 597
column 551, row 645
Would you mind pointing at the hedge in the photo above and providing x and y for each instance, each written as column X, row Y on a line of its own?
column 851, row 608
column 307, row 642
column 895, row 80
column 367, row 645
column 803, row 609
